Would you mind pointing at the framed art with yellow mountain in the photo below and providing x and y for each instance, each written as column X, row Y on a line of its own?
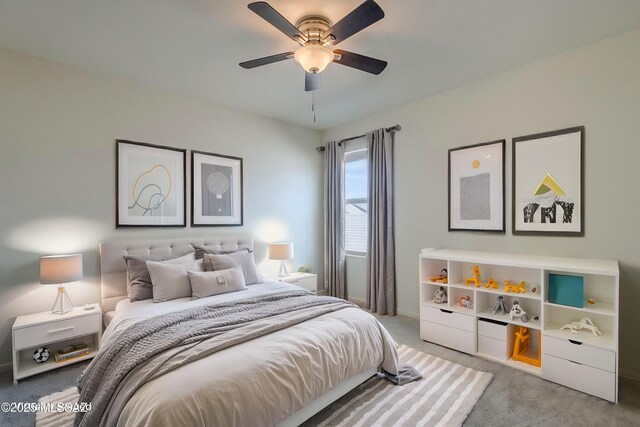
column 150, row 187
column 548, row 193
column 476, row 187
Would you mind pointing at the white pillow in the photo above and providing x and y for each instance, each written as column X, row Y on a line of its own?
column 208, row 283
column 171, row 281
column 237, row 259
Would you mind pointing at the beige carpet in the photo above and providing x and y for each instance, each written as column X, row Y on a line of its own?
column 443, row 397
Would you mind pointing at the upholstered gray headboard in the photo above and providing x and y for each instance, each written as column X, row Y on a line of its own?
column 113, row 275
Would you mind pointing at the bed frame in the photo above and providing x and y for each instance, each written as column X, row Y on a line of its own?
column 113, row 288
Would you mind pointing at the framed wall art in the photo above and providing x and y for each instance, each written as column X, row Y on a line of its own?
column 548, row 174
column 216, row 190
column 150, row 185
column 476, row 187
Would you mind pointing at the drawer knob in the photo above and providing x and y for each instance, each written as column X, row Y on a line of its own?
column 57, row 331
column 446, row 311
column 575, row 342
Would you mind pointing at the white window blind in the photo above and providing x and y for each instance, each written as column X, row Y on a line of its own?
column 356, row 200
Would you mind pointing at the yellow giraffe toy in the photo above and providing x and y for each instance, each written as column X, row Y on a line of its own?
column 476, row 277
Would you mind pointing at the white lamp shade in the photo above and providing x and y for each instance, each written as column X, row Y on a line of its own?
column 281, row 251
column 313, row 58
column 59, row 269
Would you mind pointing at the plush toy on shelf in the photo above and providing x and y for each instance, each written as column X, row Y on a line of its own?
column 466, row 302
column 492, row 284
column 518, row 312
column 500, row 308
column 440, row 296
column 476, row 277
column 584, row 323
column 508, row 287
column 443, row 276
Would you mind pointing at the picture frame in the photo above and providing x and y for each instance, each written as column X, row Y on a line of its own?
column 476, row 187
column 216, row 190
column 150, row 185
column 548, row 183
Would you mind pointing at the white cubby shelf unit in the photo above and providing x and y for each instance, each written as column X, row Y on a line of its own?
column 581, row 361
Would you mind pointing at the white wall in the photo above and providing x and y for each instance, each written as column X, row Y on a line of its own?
column 57, row 164
column 597, row 86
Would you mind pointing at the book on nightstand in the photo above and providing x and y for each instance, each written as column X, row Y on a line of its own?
column 70, row 352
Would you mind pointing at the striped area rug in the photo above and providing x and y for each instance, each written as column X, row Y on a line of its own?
column 443, row 397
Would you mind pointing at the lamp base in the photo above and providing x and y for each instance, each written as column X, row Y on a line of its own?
column 283, row 270
column 62, row 304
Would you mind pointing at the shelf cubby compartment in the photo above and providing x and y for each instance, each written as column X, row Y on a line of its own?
column 430, row 268
column 486, row 302
column 455, row 294
column 556, row 316
column 460, row 271
column 601, row 288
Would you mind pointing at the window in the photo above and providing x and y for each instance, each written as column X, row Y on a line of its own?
column 356, row 199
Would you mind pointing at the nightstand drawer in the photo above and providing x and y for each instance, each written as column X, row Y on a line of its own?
column 578, row 352
column 32, row 336
column 308, row 283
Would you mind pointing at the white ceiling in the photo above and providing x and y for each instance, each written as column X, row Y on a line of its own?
column 194, row 46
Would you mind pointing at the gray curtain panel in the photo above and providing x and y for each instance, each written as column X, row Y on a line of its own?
column 381, row 258
column 334, row 252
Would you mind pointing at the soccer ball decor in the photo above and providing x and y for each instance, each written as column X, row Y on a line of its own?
column 41, row 354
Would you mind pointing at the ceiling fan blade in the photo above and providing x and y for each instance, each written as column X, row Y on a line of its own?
column 311, row 81
column 359, row 19
column 360, row 62
column 269, row 14
column 266, row 60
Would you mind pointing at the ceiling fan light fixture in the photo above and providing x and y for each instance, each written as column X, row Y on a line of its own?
column 313, row 58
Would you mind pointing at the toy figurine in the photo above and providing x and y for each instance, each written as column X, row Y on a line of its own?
column 492, row 284
column 521, row 347
column 476, row 277
column 534, row 290
column 442, row 276
column 440, row 297
column 500, row 307
column 584, row 323
column 513, row 288
column 466, row 302
column 518, row 312
column 591, row 301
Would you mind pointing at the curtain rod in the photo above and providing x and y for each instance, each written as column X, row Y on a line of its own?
column 395, row 128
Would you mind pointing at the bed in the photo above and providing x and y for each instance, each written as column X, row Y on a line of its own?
column 282, row 378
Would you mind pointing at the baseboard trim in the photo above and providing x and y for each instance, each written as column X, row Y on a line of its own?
column 6, row 367
column 407, row 314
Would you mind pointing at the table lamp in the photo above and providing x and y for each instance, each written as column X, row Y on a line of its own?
column 282, row 252
column 58, row 270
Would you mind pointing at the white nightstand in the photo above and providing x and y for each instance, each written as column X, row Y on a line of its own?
column 53, row 331
column 308, row 281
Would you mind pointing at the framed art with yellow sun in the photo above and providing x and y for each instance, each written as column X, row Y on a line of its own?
column 150, row 188
column 476, row 187
column 548, row 183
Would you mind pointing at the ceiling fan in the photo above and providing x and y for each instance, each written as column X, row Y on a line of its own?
column 316, row 36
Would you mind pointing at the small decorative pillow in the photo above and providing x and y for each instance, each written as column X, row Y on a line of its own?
column 201, row 250
column 138, row 281
column 171, row 281
column 236, row 259
column 208, row 283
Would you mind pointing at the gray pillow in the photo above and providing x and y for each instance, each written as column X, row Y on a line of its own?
column 236, row 259
column 208, row 283
column 138, row 281
column 171, row 281
column 200, row 250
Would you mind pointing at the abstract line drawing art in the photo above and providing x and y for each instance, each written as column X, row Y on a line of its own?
column 476, row 187
column 547, row 183
column 150, row 190
column 149, row 197
column 216, row 190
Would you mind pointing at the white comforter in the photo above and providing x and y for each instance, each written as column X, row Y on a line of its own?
column 260, row 382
